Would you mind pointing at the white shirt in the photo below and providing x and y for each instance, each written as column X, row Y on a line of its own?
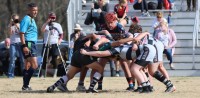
column 164, row 38
column 14, row 37
column 53, row 34
column 156, row 22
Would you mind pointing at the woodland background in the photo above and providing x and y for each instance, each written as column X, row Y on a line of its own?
column 8, row 7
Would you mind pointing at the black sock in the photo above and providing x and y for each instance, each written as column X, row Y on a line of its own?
column 147, row 74
column 162, row 79
column 100, row 81
column 25, row 78
column 59, row 82
column 168, row 83
column 94, row 81
column 130, row 81
column 30, row 74
column 159, row 76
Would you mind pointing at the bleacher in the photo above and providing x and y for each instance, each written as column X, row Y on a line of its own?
column 182, row 23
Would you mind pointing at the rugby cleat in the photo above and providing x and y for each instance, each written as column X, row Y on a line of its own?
column 91, row 91
column 130, row 88
column 170, row 89
column 80, row 88
column 50, row 89
column 28, row 88
column 62, row 88
column 139, row 89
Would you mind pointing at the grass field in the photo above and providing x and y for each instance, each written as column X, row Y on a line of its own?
column 113, row 87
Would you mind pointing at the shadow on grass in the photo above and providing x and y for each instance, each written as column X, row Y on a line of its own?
column 71, row 91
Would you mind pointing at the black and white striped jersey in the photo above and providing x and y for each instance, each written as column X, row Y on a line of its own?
column 125, row 52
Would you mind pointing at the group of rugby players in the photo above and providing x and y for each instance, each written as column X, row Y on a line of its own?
column 140, row 56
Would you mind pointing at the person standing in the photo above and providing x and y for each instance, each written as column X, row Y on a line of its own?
column 15, row 47
column 28, row 37
column 53, row 35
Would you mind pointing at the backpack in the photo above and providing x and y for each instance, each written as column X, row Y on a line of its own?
column 89, row 19
column 152, row 6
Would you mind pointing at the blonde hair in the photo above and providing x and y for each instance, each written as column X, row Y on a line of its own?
column 104, row 2
column 159, row 14
column 122, row 1
column 14, row 15
column 163, row 23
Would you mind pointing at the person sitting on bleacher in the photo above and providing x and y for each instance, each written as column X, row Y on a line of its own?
column 120, row 11
column 141, row 4
column 99, row 9
column 156, row 22
column 168, row 38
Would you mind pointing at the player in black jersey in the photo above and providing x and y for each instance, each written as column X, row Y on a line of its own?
column 78, row 60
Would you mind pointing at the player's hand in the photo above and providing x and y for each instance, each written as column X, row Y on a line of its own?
column 99, row 10
column 83, row 51
column 95, row 47
column 135, row 40
column 134, row 47
column 48, row 20
column 26, row 50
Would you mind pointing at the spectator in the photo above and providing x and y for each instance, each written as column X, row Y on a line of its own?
column 156, row 22
column 53, row 35
column 135, row 27
column 15, row 47
column 4, row 57
column 135, row 20
column 168, row 38
column 189, row 5
column 73, row 37
column 141, row 4
column 99, row 9
column 120, row 11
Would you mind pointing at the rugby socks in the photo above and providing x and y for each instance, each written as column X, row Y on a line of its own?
column 150, row 87
column 162, row 79
column 25, row 78
column 95, row 79
column 130, row 82
column 30, row 74
column 27, row 74
column 144, row 87
column 100, row 81
column 62, row 80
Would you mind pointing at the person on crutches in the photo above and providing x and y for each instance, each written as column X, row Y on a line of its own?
column 53, row 35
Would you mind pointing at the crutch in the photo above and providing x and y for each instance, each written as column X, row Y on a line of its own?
column 41, row 63
column 62, row 58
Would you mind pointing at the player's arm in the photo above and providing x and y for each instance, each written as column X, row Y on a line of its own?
column 141, row 35
column 96, row 53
